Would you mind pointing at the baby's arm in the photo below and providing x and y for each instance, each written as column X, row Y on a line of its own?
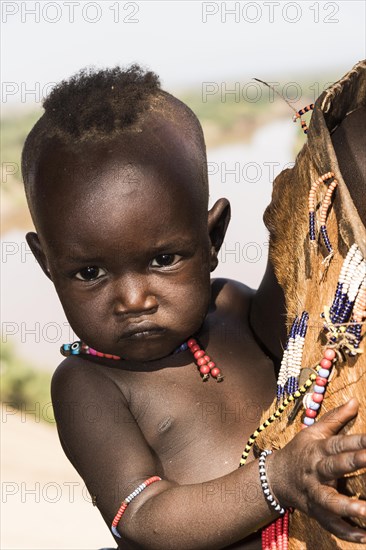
column 107, row 447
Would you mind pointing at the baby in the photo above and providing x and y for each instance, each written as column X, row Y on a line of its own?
column 116, row 179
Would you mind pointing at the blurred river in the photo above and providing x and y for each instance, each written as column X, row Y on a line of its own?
column 32, row 317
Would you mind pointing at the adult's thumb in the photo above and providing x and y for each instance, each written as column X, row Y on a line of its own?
column 334, row 420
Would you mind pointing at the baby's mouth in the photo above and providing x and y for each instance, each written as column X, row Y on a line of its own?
column 142, row 330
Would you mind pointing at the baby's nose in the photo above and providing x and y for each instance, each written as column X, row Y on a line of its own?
column 133, row 295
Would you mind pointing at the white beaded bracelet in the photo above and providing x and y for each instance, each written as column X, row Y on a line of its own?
column 264, row 483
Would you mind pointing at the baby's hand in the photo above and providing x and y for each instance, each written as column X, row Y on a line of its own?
column 303, row 474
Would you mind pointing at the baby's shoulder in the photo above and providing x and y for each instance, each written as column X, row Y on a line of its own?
column 231, row 297
column 77, row 379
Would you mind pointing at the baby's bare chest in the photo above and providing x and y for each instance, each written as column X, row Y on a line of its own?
column 197, row 429
column 200, row 436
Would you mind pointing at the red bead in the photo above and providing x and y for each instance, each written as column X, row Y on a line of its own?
column 199, row 353
column 207, row 358
column 108, row 356
column 204, row 369
column 211, row 364
column 100, row 354
column 201, row 361
column 320, row 381
column 317, row 397
column 195, row 348
column 330, row 354
column 215, row 372
column 310, row 413
column 325, row 363
column 116, row 357
column 191, row 342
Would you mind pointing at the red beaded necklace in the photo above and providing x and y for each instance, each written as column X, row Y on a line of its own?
column 204, row 363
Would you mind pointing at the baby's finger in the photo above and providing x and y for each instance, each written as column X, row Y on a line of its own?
column 336, row 466
column 333, row 421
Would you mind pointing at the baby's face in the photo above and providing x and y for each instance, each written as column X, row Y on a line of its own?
column 128, row 250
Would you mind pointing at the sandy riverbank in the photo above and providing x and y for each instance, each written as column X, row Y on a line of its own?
column 44, row 504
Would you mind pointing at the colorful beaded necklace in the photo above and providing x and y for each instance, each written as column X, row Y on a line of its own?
column 205, row 365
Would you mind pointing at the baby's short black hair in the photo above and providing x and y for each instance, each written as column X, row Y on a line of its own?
column 99, row 105
column 93, row 103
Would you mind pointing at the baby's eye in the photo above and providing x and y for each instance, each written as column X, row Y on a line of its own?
column 165, row 260
column 90, row 273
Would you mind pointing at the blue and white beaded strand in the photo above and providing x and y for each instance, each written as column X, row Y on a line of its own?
column 294, row 366
column 349, row 292
column 359, row 314
column 291, row 361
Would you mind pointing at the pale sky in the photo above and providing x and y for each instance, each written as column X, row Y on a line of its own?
column 185, row 42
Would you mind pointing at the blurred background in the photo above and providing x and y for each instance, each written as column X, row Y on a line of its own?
column 206, row 53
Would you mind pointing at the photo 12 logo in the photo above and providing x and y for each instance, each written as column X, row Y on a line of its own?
column 51, row 332
column 269, row 12
column 255, row 91
column 70, row 12
column 50, row 492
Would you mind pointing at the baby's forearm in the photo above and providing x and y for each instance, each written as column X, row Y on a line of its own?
column 211, row 515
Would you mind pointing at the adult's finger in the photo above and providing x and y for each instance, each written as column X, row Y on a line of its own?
column 333, row 421
column 336, row 466
column 343, row 443
column 330, row 501
column 340, row 528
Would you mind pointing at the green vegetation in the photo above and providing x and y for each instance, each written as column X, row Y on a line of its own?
column 229, row 117
column 15, row 127
column 23, row 387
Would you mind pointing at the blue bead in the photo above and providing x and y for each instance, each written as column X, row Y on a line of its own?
column 324, row 373
column 293, row 328
column 308, row 421
column 182, row 347
column 314, row 406
column 319, row 389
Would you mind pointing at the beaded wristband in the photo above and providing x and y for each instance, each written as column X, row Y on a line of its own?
column 127, row 501
column 264, row 483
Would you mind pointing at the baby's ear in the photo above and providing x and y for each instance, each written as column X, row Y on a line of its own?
column 218, row 220
column 36, row 248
